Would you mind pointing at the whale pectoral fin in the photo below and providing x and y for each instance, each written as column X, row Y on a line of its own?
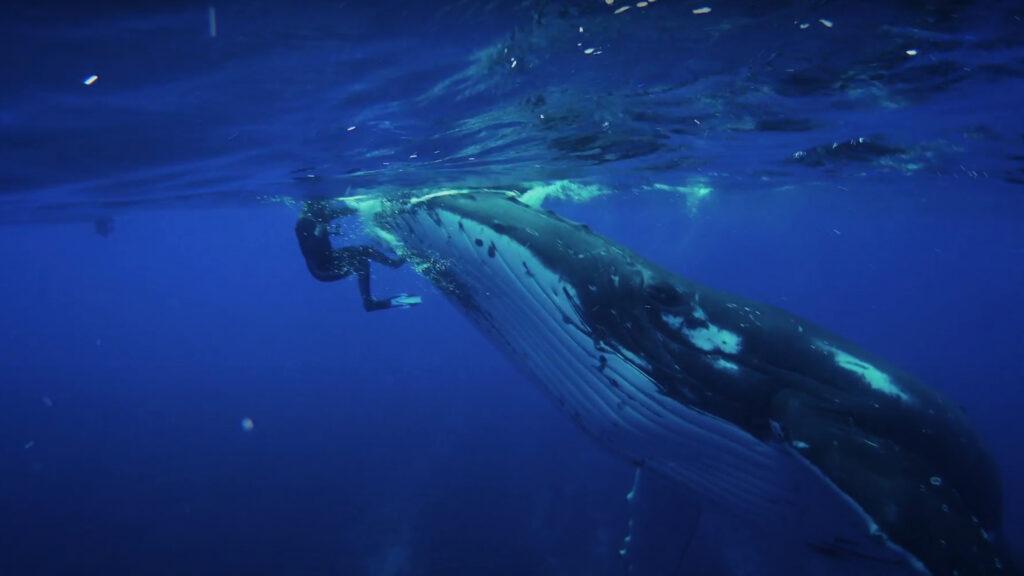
column 674, row 533
column 896, row 489
column 664, row 523
column 857, row 550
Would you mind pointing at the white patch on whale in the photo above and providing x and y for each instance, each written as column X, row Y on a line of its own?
column 634, row 359
column 708, row 338
column 712, row 338
column 725, row 365
column 874, row 377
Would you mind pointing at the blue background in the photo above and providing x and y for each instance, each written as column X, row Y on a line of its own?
column 403, row 442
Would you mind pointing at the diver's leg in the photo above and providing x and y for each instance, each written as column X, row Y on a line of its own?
column 371, row 253
column 355, row 259
column 370, row 304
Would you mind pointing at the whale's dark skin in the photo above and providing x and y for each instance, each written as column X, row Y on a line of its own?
column 909, row 460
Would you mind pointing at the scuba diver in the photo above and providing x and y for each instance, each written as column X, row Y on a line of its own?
column 328, row 264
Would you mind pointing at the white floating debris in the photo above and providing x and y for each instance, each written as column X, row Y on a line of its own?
column 350, row 128
column 609, row 2
column 514, row 62
column 911, row 52
column 414, row 155
column 248, row 424
column 804, row 25
column 90, row 80
column 826, row 23
column 621, row 10
column 30, row 444
column 837, row 232
column 936, row 481
column 581, row 29
column 588, row 51
column 641, row 4
column 702, row 10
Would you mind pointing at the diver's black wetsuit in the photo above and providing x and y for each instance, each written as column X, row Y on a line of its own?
column 327, row 263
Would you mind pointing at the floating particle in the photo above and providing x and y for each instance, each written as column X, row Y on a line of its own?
column 911, row 52
column 609, row 2
column 414, row 155
column 514, row 62
column 804, row 25
column 641, row 4
column 826, row 23
column 621, row 10
column 837, row 232
column 702, row 10
column 350, row 128
column 30, row 444
column 588, row 51
column 90, row 80
column 248, row 424
column 936, row 481
column 47, row 402
column 581, row 29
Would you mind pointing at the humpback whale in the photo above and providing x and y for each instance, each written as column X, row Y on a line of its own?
column 748, row 406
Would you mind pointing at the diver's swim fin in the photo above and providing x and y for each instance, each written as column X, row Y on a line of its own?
column 405, row 301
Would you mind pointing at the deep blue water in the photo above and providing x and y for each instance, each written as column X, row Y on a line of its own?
column 877, row 193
